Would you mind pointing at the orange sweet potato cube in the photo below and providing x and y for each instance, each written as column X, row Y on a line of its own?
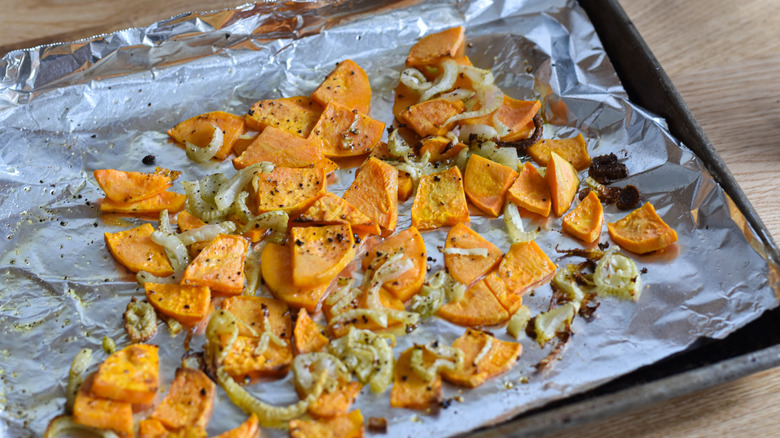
column 411, row 243
column 430, row 49
column 348, row 85
column 330, row 209
column 283, row 149
column 308, row 336
column 430, row 117
column 129, row 375
column 241, row 361
column 338, row 402
column 199, row 131
column 478, row 307
column 101, row 413
column 340, row 329
column 524, row 267
column 248, row 429
column 253, row 311
column 173, row 202
column 342, row 426
column 220, row 265
column 296, row 115
column 563, row 181
column 486, row 183
column 404, row 98
column 135, row 250
column 642, row 231
column 288, row 189
column 189, row 401
column 440, row 200
column 516, row 114
column 574, row 150
column 375, row 192
column 320, row 253
column 405, row 186
column 440, row 148
column 346, row 132
column 151, row 428
column 499, row 359
column 186, row 304
column 127, row 187
column 585, row 221
column 276, row 269
column 530, row 191
column 467, row 268
column 409, row 389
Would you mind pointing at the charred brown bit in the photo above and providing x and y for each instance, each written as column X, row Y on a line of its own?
column 523, row 144
column 377, row 425
column 628, row 198
column 606, row 168
column 588, row 307
column 590, row 254
column 563, row 339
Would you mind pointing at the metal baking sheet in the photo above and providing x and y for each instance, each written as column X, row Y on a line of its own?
column 71, row 108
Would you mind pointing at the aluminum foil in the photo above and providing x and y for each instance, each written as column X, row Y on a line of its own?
column 68, row 109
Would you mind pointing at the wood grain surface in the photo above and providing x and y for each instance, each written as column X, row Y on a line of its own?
column 724, row 58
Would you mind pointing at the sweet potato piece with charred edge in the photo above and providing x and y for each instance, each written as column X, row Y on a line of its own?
column 345, row 132
column 248, row 429
column 173, row 202
column 283, row 150
column 288, row 189
column 375, row 192
column 348, row 85
column 585, row 221
column 199, row 131
column 128, row 187
column 440, row 148
column 135, row 250
column 220, row 265
column 296, row 115
column 129, row 375
column 499, row 359
column 320, row 253
column 517, row 115
column 467, row 268
column 429, row 117
column 411, row 243
column 486, row 183
column 276, row 269
column 574, row 150
column 308, row 336
column 430, row 49
column 478, row 307
column 409, row 389
column 343, row 426
column 642, row 231
column 563, row 181
column 101, row 413
column 189, row 401
column 440, row 200
column 530, row 191
column 330, row 209
column 186, row 304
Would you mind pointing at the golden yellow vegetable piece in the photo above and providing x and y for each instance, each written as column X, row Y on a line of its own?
column 151, row 428
column 186, row 304
column 101, row 413
column 585, row 221
column 127, row 187
column 387, row 300
column 130, row 375
column 241, row 361
column 248, row 429
column 411, row 243
column 320, row 253
column 574, row 150
column 345, row 132
column 338, row 402
column 253, row 311
column 296, row 115
column 467, row 268
column 524, row 267
column 173, row 202
column 499, row 358
column 563, row 181
column 343, row 426
column 288, row 189
column 135, row 250
column 642, row 231
column 429, row 117
column 283, row 149
column 530, row 191
column 516, row 115
column 431, row 49
column 276, row 269
column 348, row 85
column 486, row 183
column 375, row 192
column 409, row 389
column 440, row 148
column 330, row 209
column 440, row 201
column 199, row 131
column 308, row 336
column 220, row 265
column 477, row 307
column 189, row 401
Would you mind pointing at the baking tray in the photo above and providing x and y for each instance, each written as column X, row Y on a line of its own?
column 751, row 349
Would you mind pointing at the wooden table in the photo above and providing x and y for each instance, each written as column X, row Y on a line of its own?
column 724, row 58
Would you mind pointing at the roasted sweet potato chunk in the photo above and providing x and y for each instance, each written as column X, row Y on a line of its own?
column 499, row 358
column 411, row 243
column 151, row 428
column 642, row 231
column 308, row 336
column 509, row 299
column 517, row 115
column 101, row 413
column 440, row 148
column 282, row 149
column 135, row 250
column 524, row 267
column 129, row 375
column 430, row 49
column 320, row 253
column 338, row 402
column 585, row 221
column 330, row 209
column 343, row 426
column 348, row 85
column 241, row 361
column 486, row 183
column 430, row 117
column 189, row 401
column 530, row 191
column 387, row 300
column 375, row 192
column 440, row 200
column 127, row 187
column 409, row 389
column 220, row 265
column 574, row 150
column 467, row 268
column 478, row 307
column 248, row 429
column 199, row 131
column 563, row 181
column 288, row 189
column 345, row 132
column 276, row 269
column 404, row 98
column 186, row 304
column 173, row 202
column 187, row 221
column 296, row 115
column 253, row 311
column 405, row 186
